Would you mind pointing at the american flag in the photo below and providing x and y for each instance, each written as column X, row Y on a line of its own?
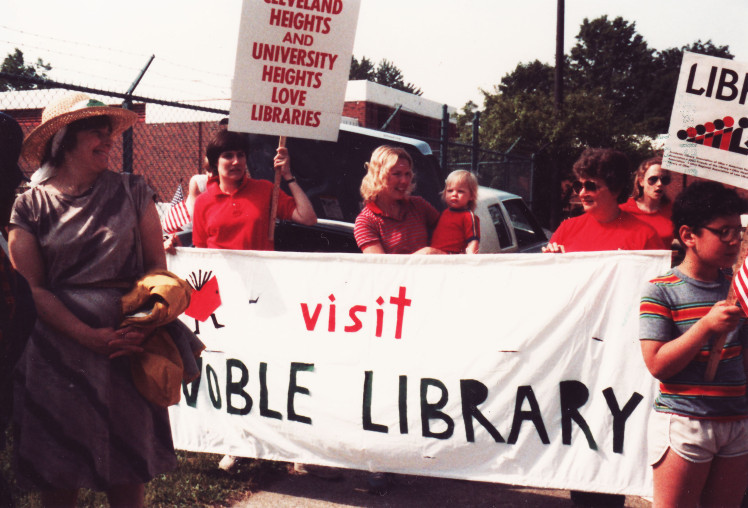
column 177, row 216
column 740, row 286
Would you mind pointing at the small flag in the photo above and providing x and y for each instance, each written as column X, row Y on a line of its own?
column 740, row 286
column 178, row 216
column 178, row 195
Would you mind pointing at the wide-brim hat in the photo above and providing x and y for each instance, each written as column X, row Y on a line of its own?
column 65, row 110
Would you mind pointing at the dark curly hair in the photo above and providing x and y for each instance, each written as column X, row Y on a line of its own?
column 610, row 166
column 702, row 202
column 224, row 141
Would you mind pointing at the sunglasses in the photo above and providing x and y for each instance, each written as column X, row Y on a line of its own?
column 588, row 185
column 727, row 233
column 665, row 179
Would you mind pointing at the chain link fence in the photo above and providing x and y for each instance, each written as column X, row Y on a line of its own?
column 169, row 140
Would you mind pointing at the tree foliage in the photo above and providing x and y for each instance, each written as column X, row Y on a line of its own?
column 385, row 73
column 15, row 64
column 617, row 90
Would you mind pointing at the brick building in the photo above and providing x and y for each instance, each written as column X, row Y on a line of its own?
column 169, row 142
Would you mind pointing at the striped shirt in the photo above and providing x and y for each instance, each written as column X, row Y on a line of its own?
column 397, row 236
column 671, row 304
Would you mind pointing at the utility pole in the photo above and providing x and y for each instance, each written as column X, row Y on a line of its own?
column 558, row 93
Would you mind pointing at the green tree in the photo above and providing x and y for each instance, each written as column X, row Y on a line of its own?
column 612, row 60
column 385, row 73
column 361, row 70
column 616, row 89
column 15, row 64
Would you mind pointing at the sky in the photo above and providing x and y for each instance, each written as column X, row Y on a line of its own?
column 450, row 49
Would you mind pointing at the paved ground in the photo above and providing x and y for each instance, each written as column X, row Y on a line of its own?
column 308, row 491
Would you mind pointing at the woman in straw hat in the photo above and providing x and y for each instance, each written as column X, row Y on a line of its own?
column 81, row 236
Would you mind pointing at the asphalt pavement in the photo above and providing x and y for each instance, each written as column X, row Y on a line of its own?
column 309, row 491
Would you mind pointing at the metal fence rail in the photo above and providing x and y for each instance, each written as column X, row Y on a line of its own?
column 167, row 145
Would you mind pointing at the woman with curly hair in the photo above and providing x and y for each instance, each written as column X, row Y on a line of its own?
column 602, row 184
column 648, row 202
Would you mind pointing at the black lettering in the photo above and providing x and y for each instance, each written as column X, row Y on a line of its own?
column 237, row 388
column 474, row 393
column 264, row 411
column 294, row 388
column 526, row 393
column 213, row 390
column 689, row 84
column 620, row 416
column 574, row 394
column 402, row 403
column 190, row 394
column 431, row 411
column 729, row 84
column 366, row 412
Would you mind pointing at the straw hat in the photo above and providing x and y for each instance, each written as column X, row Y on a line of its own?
column 67, row 109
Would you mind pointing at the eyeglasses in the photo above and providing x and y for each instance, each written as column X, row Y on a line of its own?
column 588, row 185
column 727, row 233
column 665, row 179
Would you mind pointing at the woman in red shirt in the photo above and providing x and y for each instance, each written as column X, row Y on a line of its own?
column 234, row 211
column 649, row 203
column 602, row 183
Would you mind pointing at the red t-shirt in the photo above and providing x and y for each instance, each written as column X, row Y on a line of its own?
column 238, row 221
column 659, row 220
column 584, row 233
column 455, row 230
column 397, row 236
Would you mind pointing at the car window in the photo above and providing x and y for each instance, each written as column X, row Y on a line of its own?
column 502, row 230
column 526, row 227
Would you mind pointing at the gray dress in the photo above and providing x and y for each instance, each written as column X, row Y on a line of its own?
column 80, row 422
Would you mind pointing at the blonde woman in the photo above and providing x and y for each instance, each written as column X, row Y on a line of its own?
column 393, row 221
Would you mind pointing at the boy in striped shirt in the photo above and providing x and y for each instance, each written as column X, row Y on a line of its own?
column 698, row 435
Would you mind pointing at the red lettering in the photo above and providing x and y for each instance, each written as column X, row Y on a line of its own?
column 310, row 321
column 357, row 325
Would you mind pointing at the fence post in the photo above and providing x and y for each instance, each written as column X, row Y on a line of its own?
column 444, row 139
column 476, row 143
column 127, row 135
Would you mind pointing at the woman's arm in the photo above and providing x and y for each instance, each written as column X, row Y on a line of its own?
column 304, row 212
column 373, row 248
column 27, row 259
column 665, row 359
column 150, row 236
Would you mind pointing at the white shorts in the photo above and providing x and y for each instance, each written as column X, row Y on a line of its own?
column 696, row 440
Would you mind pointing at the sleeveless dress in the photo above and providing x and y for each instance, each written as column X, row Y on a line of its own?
column 80, row 421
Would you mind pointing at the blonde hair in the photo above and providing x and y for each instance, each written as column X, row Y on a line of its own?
column 467, row 178
column 378, row 168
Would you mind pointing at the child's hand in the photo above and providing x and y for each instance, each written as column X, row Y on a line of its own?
column 723, row 317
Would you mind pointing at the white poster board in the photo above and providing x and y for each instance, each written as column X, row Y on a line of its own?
column 521, row 369
column 292, row 64
column 708, row 135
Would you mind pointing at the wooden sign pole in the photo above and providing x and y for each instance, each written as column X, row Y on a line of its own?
column 716, row 352
column 276, row 191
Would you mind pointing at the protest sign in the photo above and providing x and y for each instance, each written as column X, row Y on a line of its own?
column 708, row 136
column 292, row 63
column 521, row 369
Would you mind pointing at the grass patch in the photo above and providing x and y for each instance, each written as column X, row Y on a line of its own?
column 196, row 481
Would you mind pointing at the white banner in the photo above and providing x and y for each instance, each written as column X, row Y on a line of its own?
column 292, row 63
column 708, row 134
column 521, row 369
